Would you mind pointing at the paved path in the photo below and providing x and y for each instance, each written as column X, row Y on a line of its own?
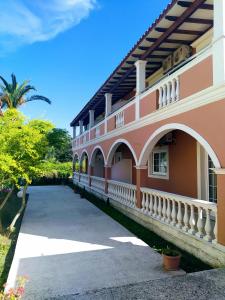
column 67, row 246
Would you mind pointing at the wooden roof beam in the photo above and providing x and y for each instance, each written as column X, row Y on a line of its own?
column 169, row 41
column 188, row 4
column 188, row 20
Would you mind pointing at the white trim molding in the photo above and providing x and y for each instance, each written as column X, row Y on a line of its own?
column 98, row 147
column 113, row 148
column 160, row 132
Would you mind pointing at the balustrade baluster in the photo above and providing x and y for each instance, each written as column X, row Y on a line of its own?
column 155, row 206
column 168, row 211
column 151, row 205
column 173, row 222
column 168, row 94
column 177, row 89
column 200, row 223
column 164, row 210
column 215, row 229
column 208, row 227
column 173, row 91
column 144, row 195
column 160, row 97
column 192, row 221
column 186, row 218
column 159, row 208
column 179, row 216
column 164, row 96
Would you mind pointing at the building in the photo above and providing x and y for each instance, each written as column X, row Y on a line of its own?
column 152, row 138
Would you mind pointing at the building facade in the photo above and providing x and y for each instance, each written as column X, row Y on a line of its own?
column 152, row 138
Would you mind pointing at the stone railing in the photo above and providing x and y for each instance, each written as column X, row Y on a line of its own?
column 98, row 184
column 169, row 92
column 75, row 177
column 97, row 131
column 84, row 179
column 193, row 216
column 122, row 192
column 119, row 119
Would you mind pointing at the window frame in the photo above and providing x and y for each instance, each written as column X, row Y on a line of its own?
column 151, row 172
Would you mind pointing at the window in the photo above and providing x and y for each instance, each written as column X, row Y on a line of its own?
column 212, row 182
column 158, row 163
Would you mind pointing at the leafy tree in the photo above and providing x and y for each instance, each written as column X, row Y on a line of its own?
column 26, row 143
column 14, row 95
column 59, row 145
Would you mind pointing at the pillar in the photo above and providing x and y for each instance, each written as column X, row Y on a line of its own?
column 108, row 104
column 81, row 124
column 74, row 131
column 140, row 182
column 90, row 173
column 220, row 205
column 107, row 177
column 140, row 75
column 219, row 42
column 91, row 118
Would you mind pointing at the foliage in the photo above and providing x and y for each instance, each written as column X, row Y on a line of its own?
column 17, row 292
column 59, row 145
column 14, row 95
column 24, row 145
column 170, row 252
column 8, row 242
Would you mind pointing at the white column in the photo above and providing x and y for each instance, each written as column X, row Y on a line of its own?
column 108, row 104
column 140, row 75
column 91, row 118
column 74, row 131
column 219, row 42
column 81, row 123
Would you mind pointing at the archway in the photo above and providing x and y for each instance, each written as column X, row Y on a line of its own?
column 97, row 162
column 180, row 161
column 84, row 162
column 76, row 163
column 122, row 159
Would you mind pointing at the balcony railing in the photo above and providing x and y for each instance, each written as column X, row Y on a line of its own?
column 169, row 92
column 122, row 192
column 76, row 176
column 193, row 216
column 84, row 178
column 119, row 119
column 98, row 184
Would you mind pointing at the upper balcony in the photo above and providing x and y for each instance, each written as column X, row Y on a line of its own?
column 178, row 84
column 159, row 71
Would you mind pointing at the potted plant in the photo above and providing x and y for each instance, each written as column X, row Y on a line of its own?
column 171, row 259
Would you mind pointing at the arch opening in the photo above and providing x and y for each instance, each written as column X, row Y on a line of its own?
column 122, row 160
column 97, row 162
column 180, row 161
column 84, row 163
column 76, row 163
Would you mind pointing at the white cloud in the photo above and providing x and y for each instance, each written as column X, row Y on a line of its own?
column 28, row 21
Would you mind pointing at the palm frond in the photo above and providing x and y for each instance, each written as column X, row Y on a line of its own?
column 38, row 97
column 5, row 82
column 14, row 82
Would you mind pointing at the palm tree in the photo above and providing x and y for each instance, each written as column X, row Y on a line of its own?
column 14, row 95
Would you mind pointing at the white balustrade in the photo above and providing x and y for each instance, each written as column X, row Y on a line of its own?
column 98, row 184
column 122, row 192
column 75, row 177
column 97, row 131
column 194, row 217
column 169, row 92
column 84, row 179
column 119, row 119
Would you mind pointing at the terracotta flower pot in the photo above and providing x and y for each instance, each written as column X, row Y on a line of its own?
column 171, row 263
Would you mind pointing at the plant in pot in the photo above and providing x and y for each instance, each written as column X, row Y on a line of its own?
column 171, row 259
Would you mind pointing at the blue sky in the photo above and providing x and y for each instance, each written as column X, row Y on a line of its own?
column 67, row 48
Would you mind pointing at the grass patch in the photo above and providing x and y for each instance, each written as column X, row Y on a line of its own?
column 8, row 243
column 189, row 263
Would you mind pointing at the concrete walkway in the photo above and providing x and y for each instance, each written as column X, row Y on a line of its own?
column 67, row 246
